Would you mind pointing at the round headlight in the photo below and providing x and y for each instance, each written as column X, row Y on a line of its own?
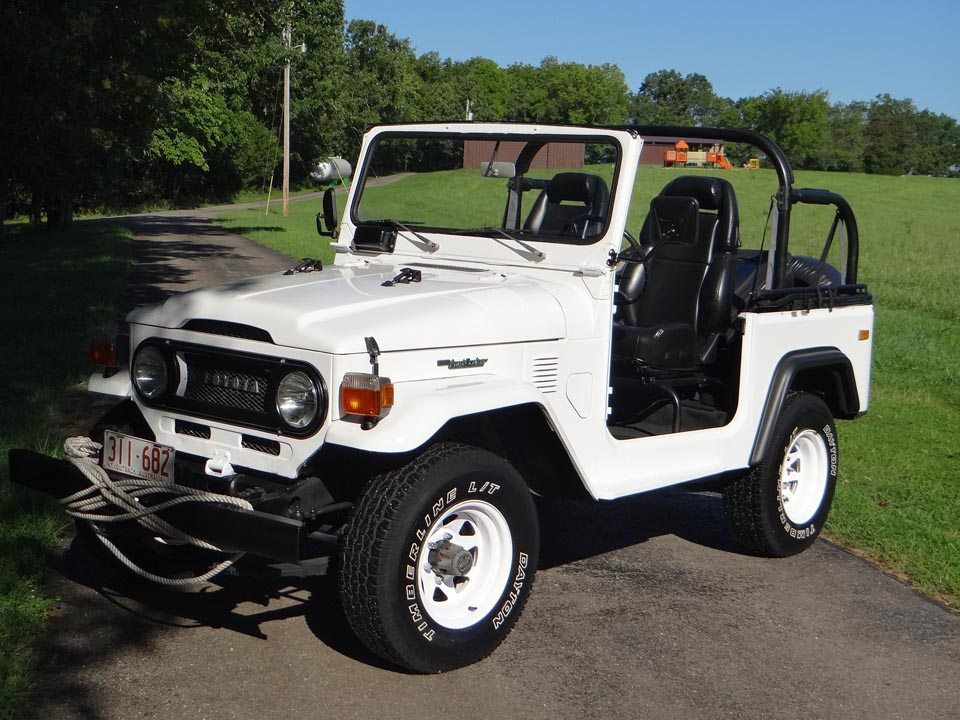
column 150, row 372
column 298, row 400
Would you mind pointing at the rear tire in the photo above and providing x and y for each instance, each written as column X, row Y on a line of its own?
column 780, row 507
column 439, row 558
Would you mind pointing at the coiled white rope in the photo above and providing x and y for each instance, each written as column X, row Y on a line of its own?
column 127, row 494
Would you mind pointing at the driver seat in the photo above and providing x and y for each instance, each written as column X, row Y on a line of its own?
column 678, row 318
column 572, row 204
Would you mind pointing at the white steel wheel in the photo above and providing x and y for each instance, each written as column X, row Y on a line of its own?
column 803, row 476
column 465, row 564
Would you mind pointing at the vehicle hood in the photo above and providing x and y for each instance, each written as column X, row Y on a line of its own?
column 333, row 310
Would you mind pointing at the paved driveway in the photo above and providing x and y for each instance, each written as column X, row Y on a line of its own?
column 642, row 608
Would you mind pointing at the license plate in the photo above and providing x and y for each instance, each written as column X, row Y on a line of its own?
column 140, row 458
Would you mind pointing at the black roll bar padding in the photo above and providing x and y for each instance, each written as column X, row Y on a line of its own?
column 813, row 196
column 776, row 156
column 518, row 184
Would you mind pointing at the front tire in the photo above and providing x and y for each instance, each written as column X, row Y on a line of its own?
column 780, row 507
column 439, row 558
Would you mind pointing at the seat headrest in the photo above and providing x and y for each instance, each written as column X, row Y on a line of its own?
column 578, row 187
column 674, row 220
column 716, row 194
column 707, row 191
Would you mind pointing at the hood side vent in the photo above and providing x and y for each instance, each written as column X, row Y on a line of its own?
column 544, row 373
column 228, row 329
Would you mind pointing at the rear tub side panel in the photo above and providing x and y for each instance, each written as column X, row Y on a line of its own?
column 615, row 468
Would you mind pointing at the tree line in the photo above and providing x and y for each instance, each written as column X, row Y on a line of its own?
column 114, row 105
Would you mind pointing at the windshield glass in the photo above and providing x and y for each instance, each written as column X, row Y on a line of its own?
column 553, row 189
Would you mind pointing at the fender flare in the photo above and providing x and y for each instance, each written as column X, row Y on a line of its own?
column 421, row 409
column 787, row 369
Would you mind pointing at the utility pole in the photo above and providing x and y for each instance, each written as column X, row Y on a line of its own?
column 287, row 36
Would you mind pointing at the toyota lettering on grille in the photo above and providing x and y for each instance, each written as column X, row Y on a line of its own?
column 231, row 382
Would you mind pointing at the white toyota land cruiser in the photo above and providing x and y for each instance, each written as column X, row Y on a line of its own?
column 491, row 330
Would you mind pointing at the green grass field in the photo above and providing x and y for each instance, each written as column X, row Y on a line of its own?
column 899, row 496
column 61, row 288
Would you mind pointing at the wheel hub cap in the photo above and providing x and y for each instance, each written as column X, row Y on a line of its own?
column 803, row 477
column 465, row 564
column 446, row 558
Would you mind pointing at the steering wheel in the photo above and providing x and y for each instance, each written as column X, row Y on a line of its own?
column 636, row 253
column 580, row 224
column 634, row 243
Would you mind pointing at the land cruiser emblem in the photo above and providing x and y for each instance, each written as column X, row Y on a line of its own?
column 462, row 364
column 231, row 382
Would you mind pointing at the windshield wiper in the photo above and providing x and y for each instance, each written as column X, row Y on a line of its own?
column 527, row 249
column 424, row 242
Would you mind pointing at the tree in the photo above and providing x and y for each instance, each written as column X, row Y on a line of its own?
column 890, row 136
column 569, row 92
column 668, row 98
column 798, row 121
column 85, row 81
column 844, row 150
column 380, row 82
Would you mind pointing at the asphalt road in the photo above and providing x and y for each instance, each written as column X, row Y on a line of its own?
column 642, row 608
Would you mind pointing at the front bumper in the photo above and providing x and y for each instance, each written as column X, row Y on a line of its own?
column 267, row 535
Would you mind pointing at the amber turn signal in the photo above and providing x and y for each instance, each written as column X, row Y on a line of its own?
column 366, row 395
column 103, row 352
column 863, row 335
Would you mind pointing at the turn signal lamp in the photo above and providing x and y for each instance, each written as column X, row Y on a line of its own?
column 366, row 395
column 863, row 335
column 103, row 352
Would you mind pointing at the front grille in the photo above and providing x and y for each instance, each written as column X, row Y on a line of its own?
column 264, row 445
column 226, row 388
column 229, row 386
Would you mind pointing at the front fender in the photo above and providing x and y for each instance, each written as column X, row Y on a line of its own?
column 422, row 407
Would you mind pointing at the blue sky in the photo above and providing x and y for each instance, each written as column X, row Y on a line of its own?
column 851, row 48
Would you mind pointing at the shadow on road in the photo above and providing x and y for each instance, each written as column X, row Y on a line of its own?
column 571, row 531
column 168, row 252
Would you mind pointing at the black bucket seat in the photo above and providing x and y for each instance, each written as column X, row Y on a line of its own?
column 676, row 318
column 572, row 204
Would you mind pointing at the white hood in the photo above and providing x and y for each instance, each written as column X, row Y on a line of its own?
column 333, row 310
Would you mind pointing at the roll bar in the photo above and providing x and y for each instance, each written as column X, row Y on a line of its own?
column 786, row 195
column 812, row 196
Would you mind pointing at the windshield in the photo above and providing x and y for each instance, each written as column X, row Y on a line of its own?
column 556, row 189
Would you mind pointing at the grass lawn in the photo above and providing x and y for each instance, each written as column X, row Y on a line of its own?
column 294, row 235
column 898, row 501
column 61, row 288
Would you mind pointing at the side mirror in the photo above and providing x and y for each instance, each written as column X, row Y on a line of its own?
column 327, row 220
column 498, row 169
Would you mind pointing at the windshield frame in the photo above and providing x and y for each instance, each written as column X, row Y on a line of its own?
column 551, row 134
